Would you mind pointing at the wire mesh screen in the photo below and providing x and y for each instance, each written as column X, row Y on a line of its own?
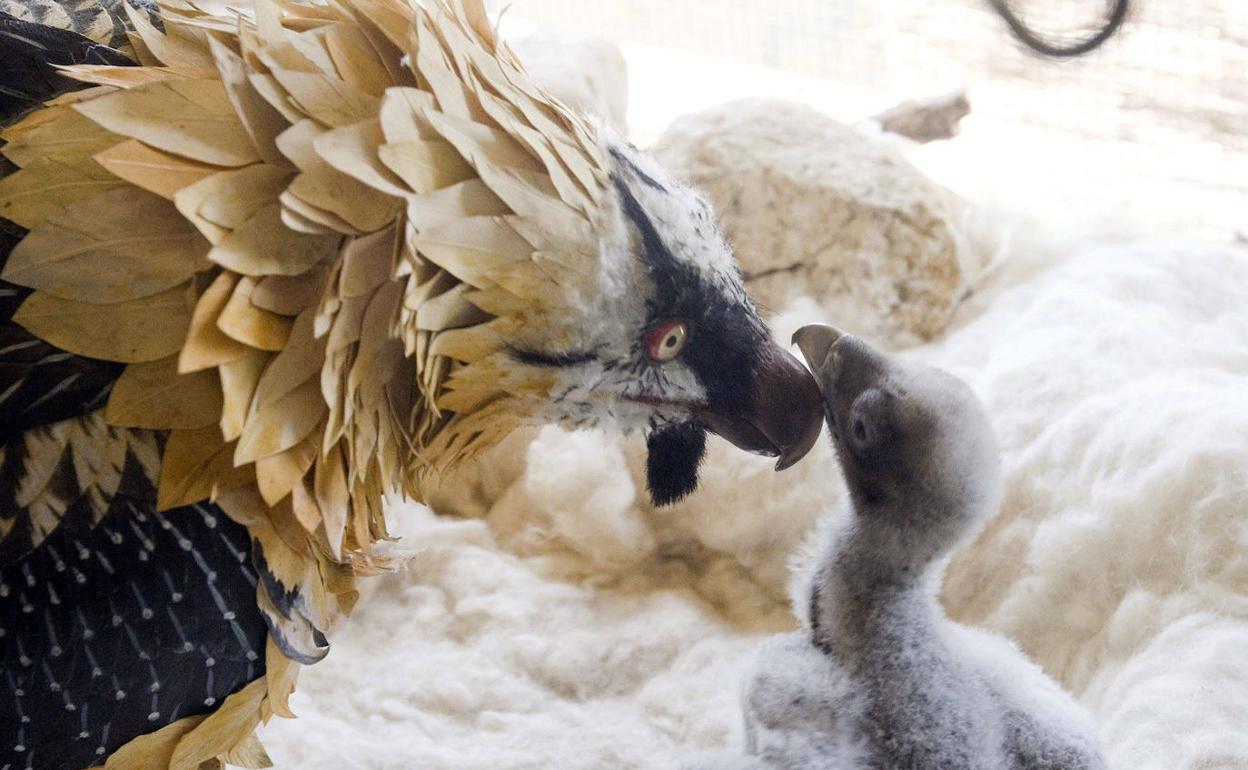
column 1162, row 108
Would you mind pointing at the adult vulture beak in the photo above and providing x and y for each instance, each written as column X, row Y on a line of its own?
column 783, row 414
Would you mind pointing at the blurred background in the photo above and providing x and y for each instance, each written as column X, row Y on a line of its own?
column 1152, row 128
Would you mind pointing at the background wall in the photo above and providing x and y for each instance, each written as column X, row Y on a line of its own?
column 1154, row 126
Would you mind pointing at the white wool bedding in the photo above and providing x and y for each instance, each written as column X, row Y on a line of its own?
column 569, row 625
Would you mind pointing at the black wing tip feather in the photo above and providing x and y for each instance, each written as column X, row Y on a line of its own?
column 29, row 54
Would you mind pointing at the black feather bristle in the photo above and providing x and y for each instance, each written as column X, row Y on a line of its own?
column 675, row 454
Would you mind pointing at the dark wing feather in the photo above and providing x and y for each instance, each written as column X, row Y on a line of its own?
column 117, row 625
column 28, row 52
column 103, row 21
column 115, row 619
column 39, row 383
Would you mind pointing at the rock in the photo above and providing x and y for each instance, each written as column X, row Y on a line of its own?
column 587, row 73
column 814, row 207
column 928, row 120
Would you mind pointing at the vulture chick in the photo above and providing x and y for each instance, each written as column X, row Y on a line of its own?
column 879, row 678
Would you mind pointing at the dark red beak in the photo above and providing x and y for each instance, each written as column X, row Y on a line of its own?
column 784, row 413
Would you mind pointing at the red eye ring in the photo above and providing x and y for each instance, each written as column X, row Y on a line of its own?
column 665, row 341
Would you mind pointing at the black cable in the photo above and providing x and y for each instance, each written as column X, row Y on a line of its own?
column 1033, row 40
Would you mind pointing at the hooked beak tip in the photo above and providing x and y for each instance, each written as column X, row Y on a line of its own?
column 791, row 456
column 785, row 413
column 815, row 340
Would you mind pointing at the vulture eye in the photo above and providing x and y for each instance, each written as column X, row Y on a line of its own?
column 665, row 341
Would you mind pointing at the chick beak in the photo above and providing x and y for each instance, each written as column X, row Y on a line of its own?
column 784, row 411
column 816, row 341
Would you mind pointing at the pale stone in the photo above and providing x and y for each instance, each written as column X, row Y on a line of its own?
column 814, row 207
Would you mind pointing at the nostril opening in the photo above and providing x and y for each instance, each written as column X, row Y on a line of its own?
column 860, row 430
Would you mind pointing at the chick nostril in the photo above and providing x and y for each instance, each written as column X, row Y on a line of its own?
column 860, row 430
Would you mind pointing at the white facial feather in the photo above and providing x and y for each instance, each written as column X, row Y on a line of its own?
column 621, row 384
column 684, row 218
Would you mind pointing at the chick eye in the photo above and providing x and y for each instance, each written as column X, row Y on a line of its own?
column 665, row 341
